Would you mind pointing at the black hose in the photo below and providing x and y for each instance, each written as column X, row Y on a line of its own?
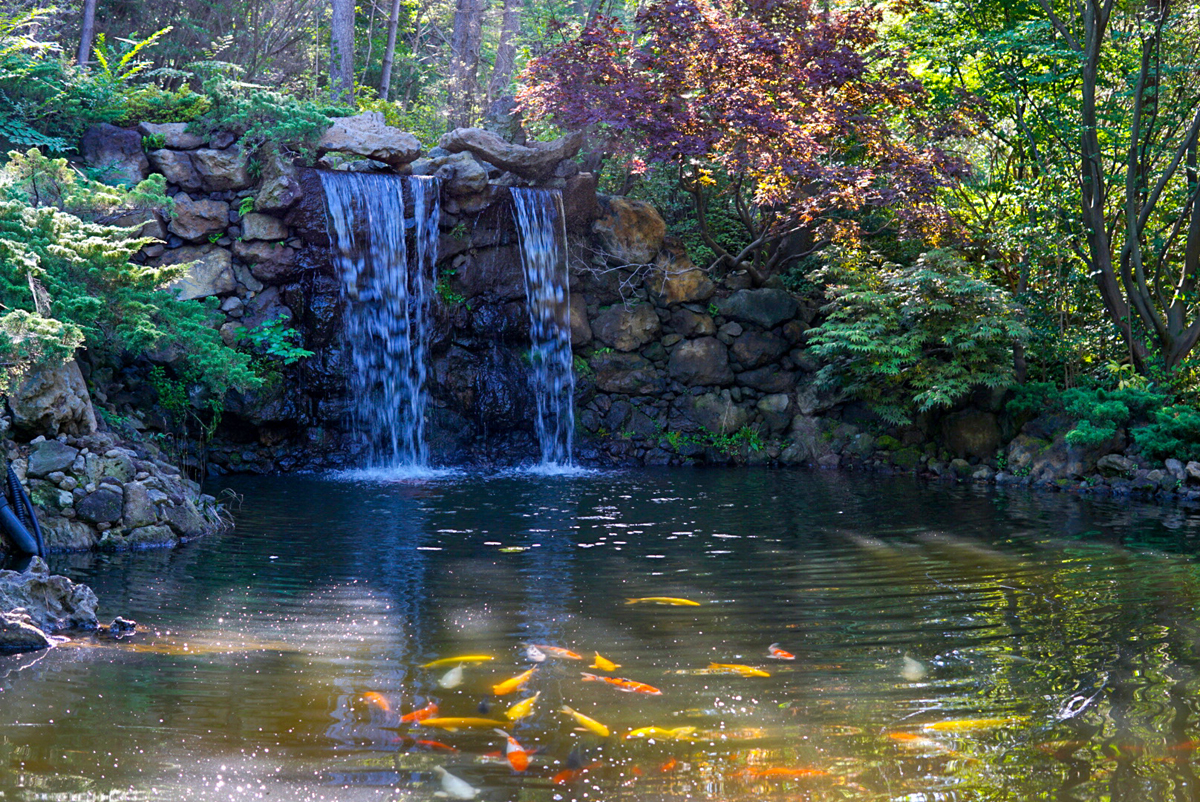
column 11, row 526
column 25, row 511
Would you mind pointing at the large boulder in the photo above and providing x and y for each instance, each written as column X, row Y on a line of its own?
column 369, row 136
column 49, row 456
column 532, row 162
column 104, row 506
column 627, row 328
column 766, row 307
column 280, row 187
column 580, row 204
column 755, row 348
column 460, row 173
column 195, row 220
column 677, row 280
column 210, row 271
column 172, row 135
column 53, row 603
column 692, row 324
column 53, row 399
column 703, row 361
column 256, row 225
column 270, row 262
column 625, row 373
column 971, row 433
column 581, row 329
column 630, row 231
column 223, row 169
column 177, row 168
column 115, row 153
column 715, row 412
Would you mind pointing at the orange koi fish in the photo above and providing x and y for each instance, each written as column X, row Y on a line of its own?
column 428, row 711
column 790, row 774
column 779, row 654
column 518, row 758
column 377, row 699
column 627, row 685
column 555, row 651
column 510, row 685
column 434, row 745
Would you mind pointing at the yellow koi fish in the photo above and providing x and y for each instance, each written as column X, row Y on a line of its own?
column 522, row 708
column 587, row 722
column 453, row 724
column 973, row 724
column 671, row 600
column 735, row 668
column 663, row 734
column 604, row 664
column 510, row 685
column 466, row 658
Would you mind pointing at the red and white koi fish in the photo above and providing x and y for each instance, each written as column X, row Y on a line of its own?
column 627, row 685
column 518, row 758
column 555, row 651
column 428, row 711
column 779, row 654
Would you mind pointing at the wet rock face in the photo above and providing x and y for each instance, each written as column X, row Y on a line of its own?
column 52, row 603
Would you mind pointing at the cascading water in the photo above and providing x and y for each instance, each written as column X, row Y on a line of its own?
column 544, row 257
column 388, row 290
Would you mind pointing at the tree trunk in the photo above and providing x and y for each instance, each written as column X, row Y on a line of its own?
column 341, row 51
column 87, row 33
column 506, row 51
column 389, row 54
column 464, row 67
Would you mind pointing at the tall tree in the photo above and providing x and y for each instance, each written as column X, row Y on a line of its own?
column 389, row 52
column 465, row 42
column 87, row 32
column 341, row 51
column 506, row 51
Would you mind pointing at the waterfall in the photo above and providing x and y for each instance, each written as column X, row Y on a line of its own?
column 388, row 289
column 544, row 258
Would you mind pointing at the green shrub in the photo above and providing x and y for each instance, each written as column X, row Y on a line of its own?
column 266, row 119
column 1175, row 433
column 909, row 338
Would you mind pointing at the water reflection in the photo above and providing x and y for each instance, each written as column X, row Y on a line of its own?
column 949, row 643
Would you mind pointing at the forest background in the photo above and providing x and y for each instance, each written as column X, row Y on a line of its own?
column 995, row 193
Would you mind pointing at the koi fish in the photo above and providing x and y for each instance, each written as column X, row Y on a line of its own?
column 377, row 699
column 534, row 654
column 522, row 708
column 918, row 743
column 912, row 670
column 575, row 768
column 973, row 724
column 670, row 765
column 518, row 758
column 454, row 787
column 428, row 711
column 466, row 658
column 775, row 652
column 464, row 723
column 556, row 651
column 604, row 664
column 510, row 685
column 735, row 668
column 627, row 685
column 663, row 734
column 435, row 745
column 587, row 722
column 670, row 600
column 452, row 679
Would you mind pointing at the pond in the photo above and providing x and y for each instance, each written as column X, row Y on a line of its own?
column 949, row 644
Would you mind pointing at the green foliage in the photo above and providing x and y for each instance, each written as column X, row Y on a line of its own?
column 1175, row 433
column 68, row 278
column 1096, row 414
column 246, row 206
column 152, row 142
column 263, row 118
column 726, row 444
column 276, row 340
column 909, row 338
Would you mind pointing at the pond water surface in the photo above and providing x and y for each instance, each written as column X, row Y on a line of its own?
column 949, row 644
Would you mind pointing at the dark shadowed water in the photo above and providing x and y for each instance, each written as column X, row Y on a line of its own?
column 950, row 644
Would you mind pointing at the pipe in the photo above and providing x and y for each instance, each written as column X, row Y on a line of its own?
column 25, row 510
column 11, row 526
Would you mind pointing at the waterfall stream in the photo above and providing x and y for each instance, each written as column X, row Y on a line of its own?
column 544, row 258
column 388, row 287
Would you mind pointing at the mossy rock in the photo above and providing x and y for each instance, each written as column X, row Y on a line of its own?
column 887, row 443
column 907, row 458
